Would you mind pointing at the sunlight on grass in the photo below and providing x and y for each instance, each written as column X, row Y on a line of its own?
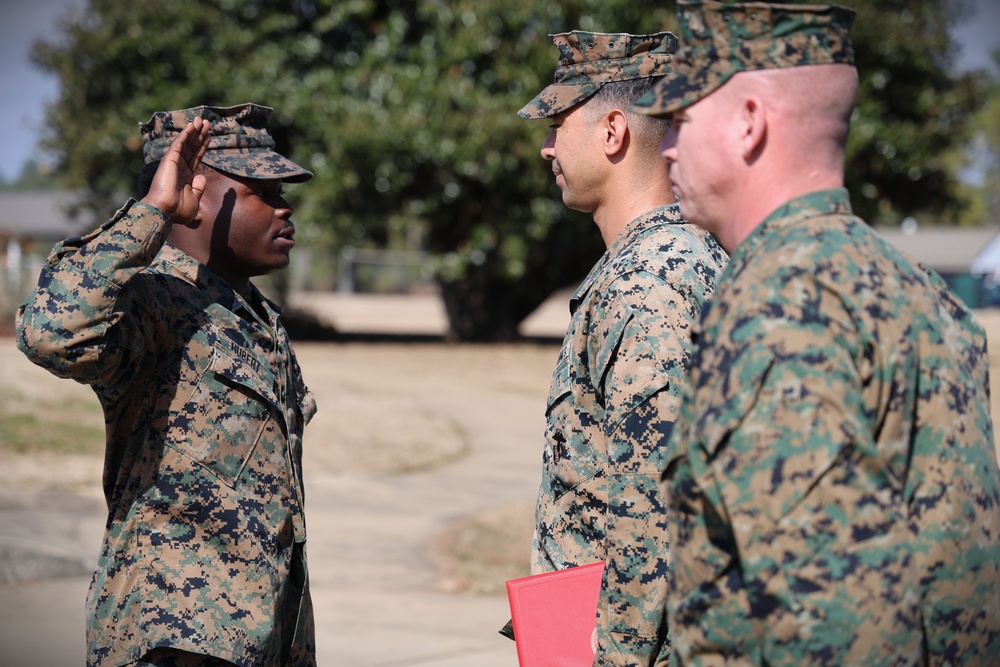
column 482, row 552
column 59, row 427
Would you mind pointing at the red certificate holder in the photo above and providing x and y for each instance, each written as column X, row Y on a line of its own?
column 554, row 615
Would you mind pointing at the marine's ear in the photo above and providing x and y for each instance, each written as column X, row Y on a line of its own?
column 616, row 130
column 752, row 126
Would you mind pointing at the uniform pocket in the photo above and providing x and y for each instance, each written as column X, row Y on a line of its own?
column 223, row 417
column 572, row 495
column 570, row 457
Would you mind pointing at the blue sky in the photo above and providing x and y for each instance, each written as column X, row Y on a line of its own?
column 24, row 89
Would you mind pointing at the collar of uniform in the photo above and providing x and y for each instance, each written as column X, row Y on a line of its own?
column 822, row 202
column 207, row 281
column 661, row 215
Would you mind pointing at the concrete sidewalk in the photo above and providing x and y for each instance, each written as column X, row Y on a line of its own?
column 380, row 595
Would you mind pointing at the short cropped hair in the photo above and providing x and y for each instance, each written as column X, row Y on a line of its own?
column 647, row 131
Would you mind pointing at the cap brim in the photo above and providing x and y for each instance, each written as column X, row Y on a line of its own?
column 259, row 163
column 556, row 98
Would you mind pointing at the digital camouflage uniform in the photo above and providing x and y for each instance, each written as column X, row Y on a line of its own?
column 616, row 388
column 614, row 396
column 204, row 404
column 833, row 491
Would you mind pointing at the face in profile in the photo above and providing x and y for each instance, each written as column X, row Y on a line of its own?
column 573, row 146
column 252, row 231
column 697, row 156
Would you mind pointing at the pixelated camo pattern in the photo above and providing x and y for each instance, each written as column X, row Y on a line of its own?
column 588, row 60
column 614, row 397
column 834, row 496
column 240, row 141
column 205, row 407
column 720, row 40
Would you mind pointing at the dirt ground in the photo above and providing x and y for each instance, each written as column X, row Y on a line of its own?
column 421, row 469
column 381, row 415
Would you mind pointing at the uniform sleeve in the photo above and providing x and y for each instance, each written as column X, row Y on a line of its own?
column 642, row 356
column 783, row 517
column 74, row 323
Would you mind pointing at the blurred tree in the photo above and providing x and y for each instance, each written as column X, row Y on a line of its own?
column 913, row 114
column 406, row 112
column 984, row 195
column 421, row 126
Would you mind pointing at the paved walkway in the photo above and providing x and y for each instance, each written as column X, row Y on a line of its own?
column 381, row 598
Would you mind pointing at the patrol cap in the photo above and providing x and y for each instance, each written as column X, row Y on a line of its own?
column 239, row 142
column 588, row 60
column 719, row 40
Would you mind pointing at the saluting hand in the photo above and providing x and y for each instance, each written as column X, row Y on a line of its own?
column 176, row 189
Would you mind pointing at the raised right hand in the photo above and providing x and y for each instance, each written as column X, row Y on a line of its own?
column 176, row 188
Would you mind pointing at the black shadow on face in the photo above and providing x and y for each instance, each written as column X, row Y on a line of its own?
column 221, row 254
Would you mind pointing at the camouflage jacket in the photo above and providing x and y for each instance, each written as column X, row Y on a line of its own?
column 614, row 397
column 833, row 489
column 204, row 404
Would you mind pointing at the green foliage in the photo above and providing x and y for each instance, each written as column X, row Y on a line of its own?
column 406, row 112
column 912, row 113
column 421, row 104
column 121, row 62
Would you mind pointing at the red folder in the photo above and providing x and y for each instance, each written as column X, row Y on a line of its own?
column 554, row 616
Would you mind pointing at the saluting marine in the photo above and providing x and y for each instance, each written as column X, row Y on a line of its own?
column 203, row 561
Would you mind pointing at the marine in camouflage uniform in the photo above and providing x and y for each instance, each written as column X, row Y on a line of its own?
column 615, row 390
column 204, row 404
column 834, row 496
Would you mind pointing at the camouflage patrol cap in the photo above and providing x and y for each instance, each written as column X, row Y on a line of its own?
column 240, row 141
column 719, row 40
column 588, row 60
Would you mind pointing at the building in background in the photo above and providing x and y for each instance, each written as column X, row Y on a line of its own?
column 30, row 224
column 968, row 258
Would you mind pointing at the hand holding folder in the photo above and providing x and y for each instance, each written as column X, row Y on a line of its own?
column 554, row 615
